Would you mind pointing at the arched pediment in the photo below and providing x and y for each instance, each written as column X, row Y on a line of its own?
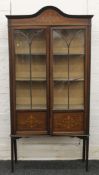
column 49, row 15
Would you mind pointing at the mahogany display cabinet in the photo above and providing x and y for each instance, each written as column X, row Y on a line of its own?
column 49, row 58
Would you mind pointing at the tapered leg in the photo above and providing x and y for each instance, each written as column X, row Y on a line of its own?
column 15, row 150
column 12, row 155
column 83, row 152
column 87, row 152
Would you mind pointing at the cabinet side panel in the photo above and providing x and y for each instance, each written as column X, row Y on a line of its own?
column 88, row 73
column 11, row 78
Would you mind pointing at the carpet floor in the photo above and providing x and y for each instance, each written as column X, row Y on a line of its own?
column 75, row 167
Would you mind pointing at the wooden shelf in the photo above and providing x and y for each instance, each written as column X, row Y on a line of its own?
column 28, row 107
column 66, row 107
column 32, row 79
column 28, row 54
column 44, row 54
column 39, row 106
column 43, row 79
column 66, row 54
column 67, row 80
column 76, row 107
column 60, row 107
column 22, row 107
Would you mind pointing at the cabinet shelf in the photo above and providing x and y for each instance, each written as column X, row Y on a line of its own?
column 70, row 54
column 28, row 54
column 23, row 107
column 60, row 107
column 66, row 107
column 39, row 107
column 68, row 80
column 32, row 79
column 55, row 54
column 76, row 107
column 28, row 107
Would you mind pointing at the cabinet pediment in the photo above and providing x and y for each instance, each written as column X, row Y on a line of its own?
column 49, row 16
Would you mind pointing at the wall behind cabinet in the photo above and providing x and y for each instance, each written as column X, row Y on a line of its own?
column 46, row 147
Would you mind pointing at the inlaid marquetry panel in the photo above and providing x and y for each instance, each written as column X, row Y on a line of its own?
column 31, row 121
column 68, row 122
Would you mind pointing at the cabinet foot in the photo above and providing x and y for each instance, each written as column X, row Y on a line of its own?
column 15, row 150
column 84, row 150
column 12, row 155
column 87, row 152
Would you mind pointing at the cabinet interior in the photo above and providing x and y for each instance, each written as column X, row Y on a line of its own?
column 68, row 69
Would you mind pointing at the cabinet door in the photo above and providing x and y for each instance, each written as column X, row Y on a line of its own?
column 68, row 72
column 31, row 59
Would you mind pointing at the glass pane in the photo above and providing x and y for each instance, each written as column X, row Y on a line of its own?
column 39, row 67
column 38, row 70
column 76, row 94
column 39, row 95
column 38, row 44
column 76, row 61
column 60, row 67
column 76, row 43
column 22, row 95
column 68, row 66
column 60, row 95
column 76, row 67
column 59, row 44
column 39, row 55
column 60, row 72
column 76, row 70
column 22, row 55
column 30, row 53
column 22, row 69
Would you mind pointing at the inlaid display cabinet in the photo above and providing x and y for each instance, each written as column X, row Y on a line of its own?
column 49, row 58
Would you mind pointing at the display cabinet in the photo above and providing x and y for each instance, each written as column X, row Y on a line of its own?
column 49, row 58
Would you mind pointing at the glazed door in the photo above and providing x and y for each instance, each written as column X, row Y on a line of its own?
column 67, row 80
column 31, row 80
